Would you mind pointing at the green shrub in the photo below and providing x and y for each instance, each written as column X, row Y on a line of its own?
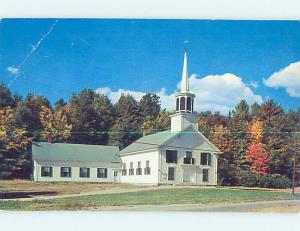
column 274, row 181
column 250, row 179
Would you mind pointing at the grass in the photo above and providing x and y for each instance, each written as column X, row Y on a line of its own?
column 151, row 197
column 25, row 188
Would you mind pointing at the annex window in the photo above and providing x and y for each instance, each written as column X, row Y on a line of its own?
column 205, row 158
column 171, row 173
column 147, row 169
column 65, row 172
column 131, row 170
column 124, row 170
column 189, row 158
column 84, row 172
column 46, row 171
column 139, row 169
column 205, row 175
column 171, row 156
column 102, row 172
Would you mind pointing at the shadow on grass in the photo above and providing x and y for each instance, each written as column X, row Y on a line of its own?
column 15, row 195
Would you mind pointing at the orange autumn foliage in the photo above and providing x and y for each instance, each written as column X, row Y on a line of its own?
column 256, row 154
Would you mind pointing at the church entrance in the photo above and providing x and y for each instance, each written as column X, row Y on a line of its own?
column 189, row 175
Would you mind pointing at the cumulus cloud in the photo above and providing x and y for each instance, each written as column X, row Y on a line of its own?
column 167, row 101
column 213, row 92
column 288, row 78
column 220, row 92
column 13, row 70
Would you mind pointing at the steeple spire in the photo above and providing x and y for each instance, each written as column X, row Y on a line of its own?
column 184, row 116
column 184, row 81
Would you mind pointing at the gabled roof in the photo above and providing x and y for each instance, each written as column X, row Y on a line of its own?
column 149, row 142
column 75, row 152
column 164, row 138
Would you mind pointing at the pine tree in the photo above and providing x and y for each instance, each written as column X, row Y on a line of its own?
column 27, row 114
column 238, row 126
column 276, row 138
column 128, row 123
column 150, row 105
column 91, row 116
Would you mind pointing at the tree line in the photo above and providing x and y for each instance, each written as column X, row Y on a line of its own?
column 88, row 118
column 257, row 142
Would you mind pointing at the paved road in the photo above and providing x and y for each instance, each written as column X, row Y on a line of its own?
column 233, row 207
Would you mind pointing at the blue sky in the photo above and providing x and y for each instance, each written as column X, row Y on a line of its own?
column 227, row 60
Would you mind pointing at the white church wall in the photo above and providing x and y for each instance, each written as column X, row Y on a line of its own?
column 152, row 157
column 184, row 142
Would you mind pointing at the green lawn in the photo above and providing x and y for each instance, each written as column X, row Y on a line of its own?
column 152, row 197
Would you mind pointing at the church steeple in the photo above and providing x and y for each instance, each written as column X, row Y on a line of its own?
column 184, row 115
column 184, row 99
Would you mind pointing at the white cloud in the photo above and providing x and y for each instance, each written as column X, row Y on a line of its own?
column 213, row 92
column 167, row 101
column 254, row 84
column 288, row 78
column 13, row 70
column 220, row 92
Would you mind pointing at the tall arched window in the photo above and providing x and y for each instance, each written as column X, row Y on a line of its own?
column 188, row 104
column 192, row 105
column 177, row 104
column 182, row 104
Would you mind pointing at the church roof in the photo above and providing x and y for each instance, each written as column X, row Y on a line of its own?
column 149, row 142
column 160, row 139
column 74, row 152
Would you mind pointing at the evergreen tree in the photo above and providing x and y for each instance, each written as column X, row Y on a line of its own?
column 128, row 123
column 276, row 137
column 91, row 117
column 238, row 126
column 6, row 99
column 150, row 105
column 27, row 114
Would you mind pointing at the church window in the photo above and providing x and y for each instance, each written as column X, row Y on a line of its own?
column 177, row 104
column 192, row 105
column 205, row 158
column 182, row 104
column 189, row 158
column 131, row 170
column 171, row 156
column 188, row 104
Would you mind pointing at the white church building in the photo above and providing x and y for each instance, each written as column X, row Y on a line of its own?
column 181, row 155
